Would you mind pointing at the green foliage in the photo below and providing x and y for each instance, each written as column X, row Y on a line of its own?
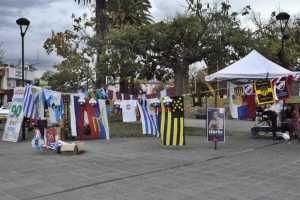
column 267, row 40
column 213, row 34
column 72, row 47
column 128, row 12
column 135, row 48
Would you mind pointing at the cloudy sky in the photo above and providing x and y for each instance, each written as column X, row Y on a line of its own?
column 48, row 15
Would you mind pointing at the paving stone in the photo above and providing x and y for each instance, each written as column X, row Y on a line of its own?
column 139, row 168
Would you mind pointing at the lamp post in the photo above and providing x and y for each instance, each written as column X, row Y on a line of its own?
column 24, row 24
column 283, row 18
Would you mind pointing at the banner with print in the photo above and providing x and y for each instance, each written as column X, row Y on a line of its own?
column 248, row 89
column 281, row 88
column 264, row 92
column 215, row 124
column 15, row 117
column 52, row 135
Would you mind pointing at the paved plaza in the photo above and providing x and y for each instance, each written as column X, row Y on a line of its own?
column 140, row 168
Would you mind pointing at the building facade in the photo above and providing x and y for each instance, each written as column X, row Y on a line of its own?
column 11, row 77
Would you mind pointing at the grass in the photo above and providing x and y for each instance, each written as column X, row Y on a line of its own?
column 119, row 129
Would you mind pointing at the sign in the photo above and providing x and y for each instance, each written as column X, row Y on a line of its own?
column 264, row 92
column 15, row 117
column 239, row 91
column 281, row 89
column 248, row 89
column 51, row 138
column 215, row 124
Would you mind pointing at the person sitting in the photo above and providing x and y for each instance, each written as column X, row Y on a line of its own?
column 294, row 123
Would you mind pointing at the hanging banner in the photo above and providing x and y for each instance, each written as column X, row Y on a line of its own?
column 15, row 117
column 215, row 124
column 248, row 89
column 172, row 121
column 281, row 89
column 264, row 92
column 66, row 116
column 239, row 91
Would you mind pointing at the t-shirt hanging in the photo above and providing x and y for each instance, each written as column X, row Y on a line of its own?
column 129, row 110
column 55, row 107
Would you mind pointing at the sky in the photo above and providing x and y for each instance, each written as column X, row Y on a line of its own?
column 48, row 15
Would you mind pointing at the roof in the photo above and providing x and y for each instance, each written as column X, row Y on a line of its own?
column 252, row 66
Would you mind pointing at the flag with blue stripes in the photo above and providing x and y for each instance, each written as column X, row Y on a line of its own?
column 31, row 98
column 149, row 118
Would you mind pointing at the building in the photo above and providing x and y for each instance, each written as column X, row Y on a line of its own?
column 11, row 77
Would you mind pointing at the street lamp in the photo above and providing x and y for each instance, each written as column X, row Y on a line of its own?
column 24, row 24
column 283, row 18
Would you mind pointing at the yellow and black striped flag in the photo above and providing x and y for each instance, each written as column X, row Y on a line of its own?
column 172, row 122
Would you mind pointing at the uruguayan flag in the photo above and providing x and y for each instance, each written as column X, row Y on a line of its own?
column 31, row 97
column 148, row 118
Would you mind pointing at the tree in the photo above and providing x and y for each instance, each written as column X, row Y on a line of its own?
column 211, row 34
column 115, row 14
column 267, row 40
column 72, row 46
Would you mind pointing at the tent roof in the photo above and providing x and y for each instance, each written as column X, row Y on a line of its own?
column 252, row 66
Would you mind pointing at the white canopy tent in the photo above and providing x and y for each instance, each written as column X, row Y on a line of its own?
column 252, row 66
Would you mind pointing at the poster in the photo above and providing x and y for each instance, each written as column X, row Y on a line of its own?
column 248, row 89
column 264, row 92
column 51, row 137
column 15, row 117
column 281, row 89
column 216, row 124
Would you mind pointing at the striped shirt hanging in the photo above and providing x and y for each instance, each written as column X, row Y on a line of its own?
column 149, row 119
column 30, row 103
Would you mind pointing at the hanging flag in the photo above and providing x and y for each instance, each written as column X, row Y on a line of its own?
column 73, row 115
column 172, row 122
column 103, row 122
column 66, row 116
column 148, row 118
column 31, row 98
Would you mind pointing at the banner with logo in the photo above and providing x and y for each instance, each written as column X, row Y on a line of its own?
column 264, row 92
column 281, row 88
column 15, row 117
column 216, row 124
column 248, row 89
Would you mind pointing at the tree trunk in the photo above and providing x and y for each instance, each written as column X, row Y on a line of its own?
column 179, row 80
column 124, row 85
column 101, row 28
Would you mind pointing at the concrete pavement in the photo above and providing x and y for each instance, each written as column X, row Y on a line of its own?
column 240, row 126
column 140, row 168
